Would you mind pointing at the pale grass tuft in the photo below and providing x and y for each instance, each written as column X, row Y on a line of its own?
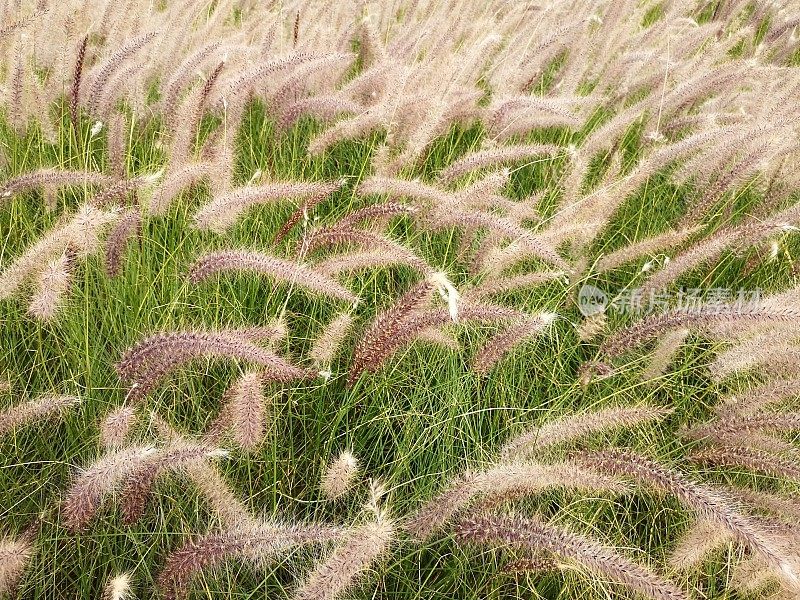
column 667, row 347
column 51, row 286
column 81, row 234
column 278, row 268
column 244, row 413
column 534, row 534
column 35, row 411
column 574, row 427
column 506, row 341
column 592, row 326
column 258, row 542
column 118, row 587
column 14, row 557
column 84, row 496
column 705, row 502
column 362, row 546
column 700, row 539
column 339, row 476
column 502, row 483
column 116, row 427
column 330, row 340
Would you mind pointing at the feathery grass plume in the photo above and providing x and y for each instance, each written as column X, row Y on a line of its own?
column 358, row 550
column 121, row 86
column 630, row 337
column 218, row 494
column 371, row 259
column 283, row 270
column 730, row 427
column 128, row 226
column 782, row 507
column 14, row 95
column 302, row 212
column 245, row 411
column 148, row 362
column 15, row 553
column 118, row 587
column 502, row 483
column 52, row 285
column 299, row 80
column 257, row 542
column 176, row 180
column 118, row 193
column 139, row 481
column 499, row 285
column 437, row 337
column 24, row 21
column 773, row 351
column 180, row 78
column 339, row 476
column 382, row 210
column 74, row 92
column 80, row 234
column 385, row 250
column 403, row 188
column 758, row 397
column 448, row 216
column 207, row 478
column 486, row 193
column 436, row 513
column 536, row 562
column 493, row 257
column 696, row 543
column 34, row 411
column 710, row 249
column 767, row 442
column 643, row 247
column 592, row 326
column 52, row 177
column 156, row 346
column 536, row 535
column 117, row 144
column 370, row 355
column 89, row 487
column 361, row 124
column 496, row 156
column 522, row 122
column 507, row 482
column 116, row 426
column 327, row 237
column 372, row 49
column 235, row 93
column 666, row 349
column 741, row 170
column 324, row 108
column 330, row 340
column 111, row 65
column 751, row 575
column 749, row 458
column 389, row 319
column 574, row 427
column 504, row 342
column 190, row 118
column 703, row 501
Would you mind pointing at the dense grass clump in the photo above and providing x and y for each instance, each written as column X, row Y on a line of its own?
column 434, row 300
